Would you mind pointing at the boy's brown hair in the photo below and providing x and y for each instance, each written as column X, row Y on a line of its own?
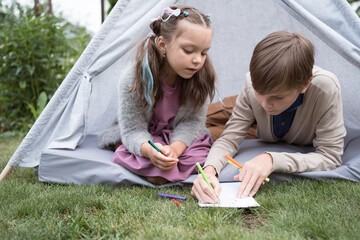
column 281, row 61
column 195, row 90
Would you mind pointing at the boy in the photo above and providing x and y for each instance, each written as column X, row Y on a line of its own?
column 291, row 100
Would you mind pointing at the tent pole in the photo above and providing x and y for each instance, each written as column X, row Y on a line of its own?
column 5, row 172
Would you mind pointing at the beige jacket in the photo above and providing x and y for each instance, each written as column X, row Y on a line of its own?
column 318, row 121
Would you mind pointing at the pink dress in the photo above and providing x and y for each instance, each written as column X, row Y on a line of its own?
column 160, row 128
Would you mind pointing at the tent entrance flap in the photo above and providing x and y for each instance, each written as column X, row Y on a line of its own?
column 71, row 127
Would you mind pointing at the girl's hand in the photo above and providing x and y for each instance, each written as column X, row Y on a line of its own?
column 201, row 189
column 169, row 151
column 174, row 150
column 253, row 174
column 164, row 163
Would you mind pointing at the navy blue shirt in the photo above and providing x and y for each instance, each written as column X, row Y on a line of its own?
column 283, row 121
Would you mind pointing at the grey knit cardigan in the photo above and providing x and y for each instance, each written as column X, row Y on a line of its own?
column 132, row 125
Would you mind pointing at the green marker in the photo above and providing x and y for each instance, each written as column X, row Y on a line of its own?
column 153, row 145
column 205, row 178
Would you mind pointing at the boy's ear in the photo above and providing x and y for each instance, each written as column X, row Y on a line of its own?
column 307, row 85
column 161, row 44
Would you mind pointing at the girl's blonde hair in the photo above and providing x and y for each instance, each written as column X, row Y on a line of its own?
column 195, row 90
column 281, row 61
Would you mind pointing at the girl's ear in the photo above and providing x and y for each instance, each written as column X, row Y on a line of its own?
column 307, row 85
column 161, row 44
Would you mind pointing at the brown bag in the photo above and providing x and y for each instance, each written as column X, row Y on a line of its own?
column 217, row 115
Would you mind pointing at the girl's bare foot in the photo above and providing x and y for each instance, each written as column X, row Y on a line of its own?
column 157, row 180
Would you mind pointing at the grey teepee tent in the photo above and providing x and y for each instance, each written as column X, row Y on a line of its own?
column 63, row 140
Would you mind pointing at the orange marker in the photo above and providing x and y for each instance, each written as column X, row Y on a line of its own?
column 232, row 161
column 177, row 203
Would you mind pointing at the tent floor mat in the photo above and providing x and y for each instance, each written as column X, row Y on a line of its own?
column 88, row 164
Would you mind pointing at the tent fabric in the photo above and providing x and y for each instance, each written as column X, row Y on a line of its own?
column 85, row 102
column 87, row 164
column 326, row 25
column 90, row 165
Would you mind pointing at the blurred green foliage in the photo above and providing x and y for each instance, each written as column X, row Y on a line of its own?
column 35, row 56
column 112, row 5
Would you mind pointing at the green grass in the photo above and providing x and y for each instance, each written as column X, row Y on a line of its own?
column 309, row 209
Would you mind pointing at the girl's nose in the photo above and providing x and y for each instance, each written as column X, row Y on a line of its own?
column 197, row 59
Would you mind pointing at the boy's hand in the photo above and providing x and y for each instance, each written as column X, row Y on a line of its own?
column 201, row 189
column 253, row 174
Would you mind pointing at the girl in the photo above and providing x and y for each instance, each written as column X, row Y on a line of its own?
column 165, row 101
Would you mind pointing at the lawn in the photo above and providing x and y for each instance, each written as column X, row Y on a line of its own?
column 305, row 209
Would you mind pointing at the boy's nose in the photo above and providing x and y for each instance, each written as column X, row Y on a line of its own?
column 266, row 104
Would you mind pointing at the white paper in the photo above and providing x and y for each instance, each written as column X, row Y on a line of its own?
column 228, row 197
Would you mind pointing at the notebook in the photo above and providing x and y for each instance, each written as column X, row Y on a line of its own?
column 228, row 197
